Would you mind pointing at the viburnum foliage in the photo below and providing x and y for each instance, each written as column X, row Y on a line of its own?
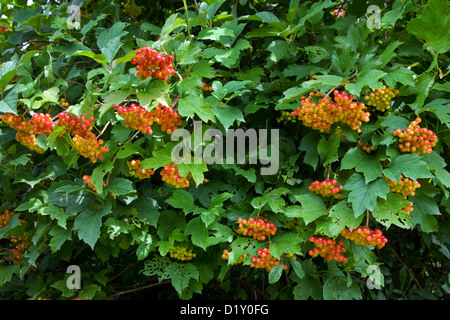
column 93, row 111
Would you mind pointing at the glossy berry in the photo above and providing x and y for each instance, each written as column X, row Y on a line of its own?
column 170, row 175
column 78, row 125
column 416, row 139
column 87, row 180
column 136, row 117
column 367, row 148
column 226, row 255
column 326, row 188
column 90, row 148
column 152, row 64
column 381, row 98
column 328, row 248
column 29, row 141
column 365, row 236
column 257, row 229
column 325, row 113
column 5, row 217
column 21, row 244
column 136, row 171
column 285, row 118
column 264, row 260
column 205, row 87
column 166, row 117
column 181, row 253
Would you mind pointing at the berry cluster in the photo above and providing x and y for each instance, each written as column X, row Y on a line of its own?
column 328, row 249
column 4, row 29
column 367, row 148
column 325, row 113
column 286, row 117
column 29, row 141
column 16, row 122
column 166, row 117
column 136, row 171
column 204, row 87
column 87, row 180
column 265, row 260
column 181, row 253
column 27, row 130
column 326, row 188
column 90, row 148
column 338, row 13
column 21, row 245
column 152, row 64
column 136, row 117
column 406, row 187
column 226, row 255
column 416, row 139
column 257, row 229
column 365, row 236
column 41, row 123
column 5, row 217
column 64, row 103
column 381, row 98
column 171, row 176
column 131, row 8
column 78, row 125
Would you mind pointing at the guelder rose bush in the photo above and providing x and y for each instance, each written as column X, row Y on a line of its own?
column 351, row 117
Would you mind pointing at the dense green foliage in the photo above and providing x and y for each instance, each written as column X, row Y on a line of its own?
column 259, row 58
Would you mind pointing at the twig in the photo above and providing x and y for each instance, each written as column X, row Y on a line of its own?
column 403, row 263
column 138, row 289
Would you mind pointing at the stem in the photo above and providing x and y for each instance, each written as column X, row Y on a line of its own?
column 103, row 130
column 187, row 19
column 367, row 219
column 138, row 288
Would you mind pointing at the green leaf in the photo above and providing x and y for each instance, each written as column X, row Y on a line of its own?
column 422, row 87
column 433, row 25
column 181, row 199
column 312, row 207
column 59, row 236
column 198, row 232
column 7, row 71
column 441, row 108
column 364, row 196
column 194, row 105
column 187, row 53
column 159, row 159
column 89, row 222
column 285, row 243
column 215, row 33
column 399, row 75
column 408, row 165
column 120, row 186
column 6, row 273
column 275, row 273
column 228, row 115
column 363, row 163
column 196, row 170
column 388, row 212
column 425, row 208
column 144, row 248
column 109, row 42
column 297, row 267
column 219, row 199
column 100, row 58
column 345, row 215
column 328, row 150
column 335, row 288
